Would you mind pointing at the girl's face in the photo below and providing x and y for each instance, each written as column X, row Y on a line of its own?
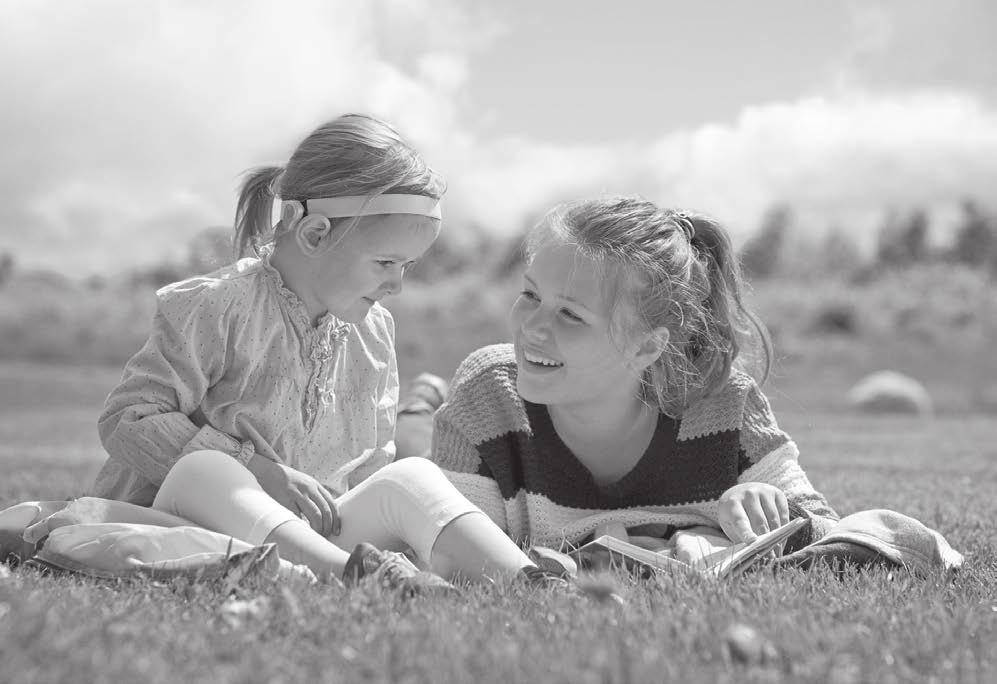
column 367, row 263
column 561, row 327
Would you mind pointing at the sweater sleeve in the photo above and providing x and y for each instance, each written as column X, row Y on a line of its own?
column 455, row 452
column 770, row 456
column 146, row 424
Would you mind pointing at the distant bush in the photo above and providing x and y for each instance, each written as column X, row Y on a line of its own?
column 902, row 239
column 762, row 253
column 839, row 255
column 6, row 267
column 975, row 241
column 835, row 317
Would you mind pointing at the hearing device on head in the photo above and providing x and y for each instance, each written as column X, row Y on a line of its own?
column 291, row 212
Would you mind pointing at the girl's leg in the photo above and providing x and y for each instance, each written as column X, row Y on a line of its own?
column 411, row 503
column 408, row 503
column 215, row 491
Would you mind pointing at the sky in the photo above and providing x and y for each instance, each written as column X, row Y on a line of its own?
column 126, row 123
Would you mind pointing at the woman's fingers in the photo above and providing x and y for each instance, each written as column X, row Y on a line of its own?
column 782, row 503
column 756, row 514
column 736, row 524
column 770, row 506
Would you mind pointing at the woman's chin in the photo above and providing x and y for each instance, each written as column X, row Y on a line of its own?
column 534, row 390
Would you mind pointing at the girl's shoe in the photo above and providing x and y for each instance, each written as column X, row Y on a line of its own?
column 392, row 570
column 543, row 578
column 556, row 562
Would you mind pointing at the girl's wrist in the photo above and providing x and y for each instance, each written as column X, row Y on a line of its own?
column 258, row 464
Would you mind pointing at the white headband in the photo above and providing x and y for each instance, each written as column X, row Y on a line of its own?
column 367, row 205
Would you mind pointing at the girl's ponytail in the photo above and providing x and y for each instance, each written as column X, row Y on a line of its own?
column 254, row 210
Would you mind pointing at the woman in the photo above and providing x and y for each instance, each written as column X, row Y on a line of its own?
column 622, row 400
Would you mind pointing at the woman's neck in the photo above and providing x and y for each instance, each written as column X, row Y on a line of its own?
column 608, row 436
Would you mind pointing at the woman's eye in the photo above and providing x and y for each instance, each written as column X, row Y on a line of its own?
column 530, row 294
column 571, row 315
column 384, row 263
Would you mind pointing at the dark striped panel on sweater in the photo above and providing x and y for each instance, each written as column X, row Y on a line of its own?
column 671, row 471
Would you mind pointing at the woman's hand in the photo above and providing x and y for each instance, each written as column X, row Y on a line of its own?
column 298, row 492
column 752, row 508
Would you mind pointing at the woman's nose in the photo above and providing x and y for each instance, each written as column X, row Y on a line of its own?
column 536, row 324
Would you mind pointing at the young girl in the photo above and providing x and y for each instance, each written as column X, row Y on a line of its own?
column 622, row 403
column 262, row 405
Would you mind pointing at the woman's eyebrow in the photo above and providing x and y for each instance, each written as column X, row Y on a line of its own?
column 566, row 298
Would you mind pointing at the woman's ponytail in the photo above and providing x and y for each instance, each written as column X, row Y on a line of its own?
column 254, row 210
column 738, row 333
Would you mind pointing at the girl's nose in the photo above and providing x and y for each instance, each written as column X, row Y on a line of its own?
column 394, row 284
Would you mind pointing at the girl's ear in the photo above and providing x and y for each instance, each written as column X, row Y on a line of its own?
column 649, row 346
column 311, row 234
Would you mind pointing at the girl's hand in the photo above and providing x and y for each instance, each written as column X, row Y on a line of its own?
column 298, row 492
column 752, row 508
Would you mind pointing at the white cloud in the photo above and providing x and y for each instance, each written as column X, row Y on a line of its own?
column 133, row 121
column 837, row 158
column 120, row 106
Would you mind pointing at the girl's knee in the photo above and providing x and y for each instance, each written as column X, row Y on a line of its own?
column 198, row 465
column 410, row 471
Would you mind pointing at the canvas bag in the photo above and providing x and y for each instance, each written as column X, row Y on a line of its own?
column 114, row 539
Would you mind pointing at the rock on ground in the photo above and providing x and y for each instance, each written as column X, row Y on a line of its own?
column 890, row 392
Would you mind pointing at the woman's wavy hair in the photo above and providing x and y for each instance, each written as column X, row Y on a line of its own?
column 674, row 270
column 353, row 154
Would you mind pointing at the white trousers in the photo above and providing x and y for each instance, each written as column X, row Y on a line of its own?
column 405, row 504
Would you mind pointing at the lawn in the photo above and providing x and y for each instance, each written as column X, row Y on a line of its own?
column 870, row 627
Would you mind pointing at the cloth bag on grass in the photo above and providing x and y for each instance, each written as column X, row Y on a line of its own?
column 880, row 536
column 113, row 539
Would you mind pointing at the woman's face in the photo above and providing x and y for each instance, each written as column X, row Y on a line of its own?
column 561, row 327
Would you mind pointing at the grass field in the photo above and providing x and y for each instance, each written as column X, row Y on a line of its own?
column 869, row 627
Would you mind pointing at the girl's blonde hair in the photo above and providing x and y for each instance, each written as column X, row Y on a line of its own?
column 674, row 270
column 353, row 154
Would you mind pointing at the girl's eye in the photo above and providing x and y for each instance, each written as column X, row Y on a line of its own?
column 571, row 315
column 530, row 294
column 384, row 263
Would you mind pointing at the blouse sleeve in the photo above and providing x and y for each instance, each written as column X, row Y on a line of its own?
column 145, row 423
column 769, row 455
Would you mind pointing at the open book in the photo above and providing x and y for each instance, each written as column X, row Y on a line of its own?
column 607, row 550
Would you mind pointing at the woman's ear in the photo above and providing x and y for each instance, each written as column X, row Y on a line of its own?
column 312, row 234
column 649, row 346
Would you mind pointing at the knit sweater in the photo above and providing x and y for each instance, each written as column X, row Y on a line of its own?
column 503, row 454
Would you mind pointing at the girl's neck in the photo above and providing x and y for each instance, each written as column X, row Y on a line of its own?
column 286, row 263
